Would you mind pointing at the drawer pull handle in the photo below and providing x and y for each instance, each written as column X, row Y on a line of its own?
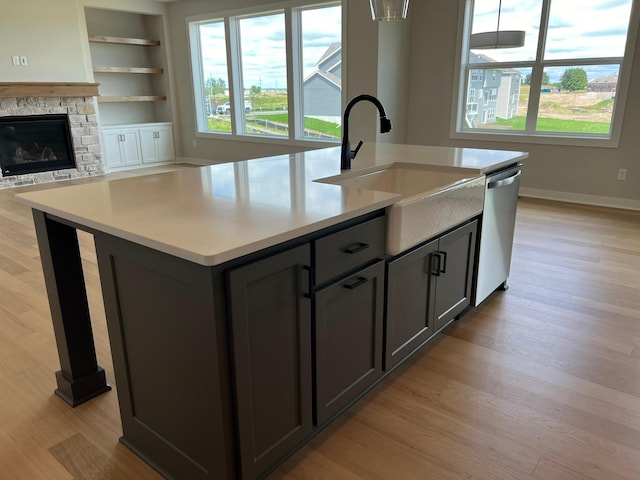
column 438, row 263
column 434, row 264
column 355, row 284
column 358, row 247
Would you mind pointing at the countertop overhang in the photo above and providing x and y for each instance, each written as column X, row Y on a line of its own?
column 217, row 213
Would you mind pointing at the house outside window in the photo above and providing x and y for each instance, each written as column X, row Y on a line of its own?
column 566, row 85
column 274, row 75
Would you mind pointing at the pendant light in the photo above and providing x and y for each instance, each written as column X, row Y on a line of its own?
column 388, row 10
column 497, row 39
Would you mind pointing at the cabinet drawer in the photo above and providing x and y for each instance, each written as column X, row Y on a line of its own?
column 347, row 249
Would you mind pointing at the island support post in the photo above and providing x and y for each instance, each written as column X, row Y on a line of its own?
column 80, row 378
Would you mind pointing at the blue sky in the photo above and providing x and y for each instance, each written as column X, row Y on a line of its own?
column 577, row 29
column 263, row 46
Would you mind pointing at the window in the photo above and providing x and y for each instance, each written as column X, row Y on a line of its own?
column 566, row 84
column 270, row 74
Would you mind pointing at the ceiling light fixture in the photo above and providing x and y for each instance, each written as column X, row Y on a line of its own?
column 388, row 10
column 497, row 39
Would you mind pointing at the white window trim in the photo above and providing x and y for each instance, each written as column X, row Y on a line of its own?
column 289, row 8
column 545, row 138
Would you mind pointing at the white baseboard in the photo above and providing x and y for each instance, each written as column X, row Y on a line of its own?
column 611, row 202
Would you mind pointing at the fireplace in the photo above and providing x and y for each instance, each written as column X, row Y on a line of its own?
column 35, row 143
column 73, row 107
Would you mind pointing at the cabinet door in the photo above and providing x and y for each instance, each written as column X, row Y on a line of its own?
column 130, row 147
column 164, row 144
column 410, row 301
column 113, row 156
column 121, row 147
column 148, row 145
column 348, row 326
column 270, row 316
column 157, row 144
column 455, row 276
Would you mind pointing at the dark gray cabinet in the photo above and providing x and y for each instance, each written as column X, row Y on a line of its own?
column 170, row 357
column 454, row 271
column 426, row 289
column 348, row 333
column 349, row 314
column 274, row 332
column 410, row 299
column 270, row 317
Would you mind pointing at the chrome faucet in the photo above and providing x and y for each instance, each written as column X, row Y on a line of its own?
column 346, row 154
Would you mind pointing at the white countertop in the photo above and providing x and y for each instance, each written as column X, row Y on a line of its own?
column 216, row 213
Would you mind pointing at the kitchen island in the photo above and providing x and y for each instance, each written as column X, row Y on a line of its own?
column 219, row 285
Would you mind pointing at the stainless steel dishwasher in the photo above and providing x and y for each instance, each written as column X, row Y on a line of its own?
column 496, row 234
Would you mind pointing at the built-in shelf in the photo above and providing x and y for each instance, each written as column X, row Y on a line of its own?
column 128, row 70
column 132, row 98
column 129, row 62
column 124, row 40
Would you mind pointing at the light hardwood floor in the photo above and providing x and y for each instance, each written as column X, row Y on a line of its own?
column 539, row 382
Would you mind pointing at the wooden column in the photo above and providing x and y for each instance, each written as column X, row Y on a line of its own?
column 79, row 378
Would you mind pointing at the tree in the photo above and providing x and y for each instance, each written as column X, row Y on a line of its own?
column 215, row 86
column 545, row 79
column 254, row 94
column 574, row 79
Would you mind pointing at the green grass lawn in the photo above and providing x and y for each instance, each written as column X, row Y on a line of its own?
column 223, row 124
column 313, row 124
column 556, row 125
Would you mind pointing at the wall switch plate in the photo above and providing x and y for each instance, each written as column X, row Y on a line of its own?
column 622, row 174
column 23, row 61
column 15, row 60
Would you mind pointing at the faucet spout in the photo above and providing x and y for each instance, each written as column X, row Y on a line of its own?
column 346, row 154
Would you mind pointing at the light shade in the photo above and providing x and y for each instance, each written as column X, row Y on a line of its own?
column 498, row 39
column 389, row 9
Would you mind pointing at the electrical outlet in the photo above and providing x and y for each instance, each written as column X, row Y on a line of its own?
column 195, row 143
column 622, row 174
column 15, row 60
column 23, row 61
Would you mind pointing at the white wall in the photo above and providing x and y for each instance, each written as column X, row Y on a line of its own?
column 584, row 174
column 46, row 32
column 52, row 35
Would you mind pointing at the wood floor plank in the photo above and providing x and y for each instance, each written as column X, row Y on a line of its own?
column 541, row 381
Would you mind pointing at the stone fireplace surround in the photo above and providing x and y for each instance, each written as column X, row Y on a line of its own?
column 74, row 99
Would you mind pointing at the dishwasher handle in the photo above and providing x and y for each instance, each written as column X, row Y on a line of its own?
column 505, row 181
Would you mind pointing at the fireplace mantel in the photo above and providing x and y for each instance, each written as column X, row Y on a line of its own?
column 48, row 89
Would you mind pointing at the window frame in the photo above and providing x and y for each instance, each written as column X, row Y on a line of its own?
column 293, row 37
column 461, row 76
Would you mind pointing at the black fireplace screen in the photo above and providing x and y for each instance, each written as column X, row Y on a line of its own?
column 35, row 143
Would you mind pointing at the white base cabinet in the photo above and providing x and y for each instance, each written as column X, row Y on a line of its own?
column 121, row 147
column 128, row 146
column 156, row 143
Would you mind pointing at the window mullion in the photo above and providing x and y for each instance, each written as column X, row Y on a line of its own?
column 534, row 98
column 198, row 75
column 236, row 87
column 293, row 31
